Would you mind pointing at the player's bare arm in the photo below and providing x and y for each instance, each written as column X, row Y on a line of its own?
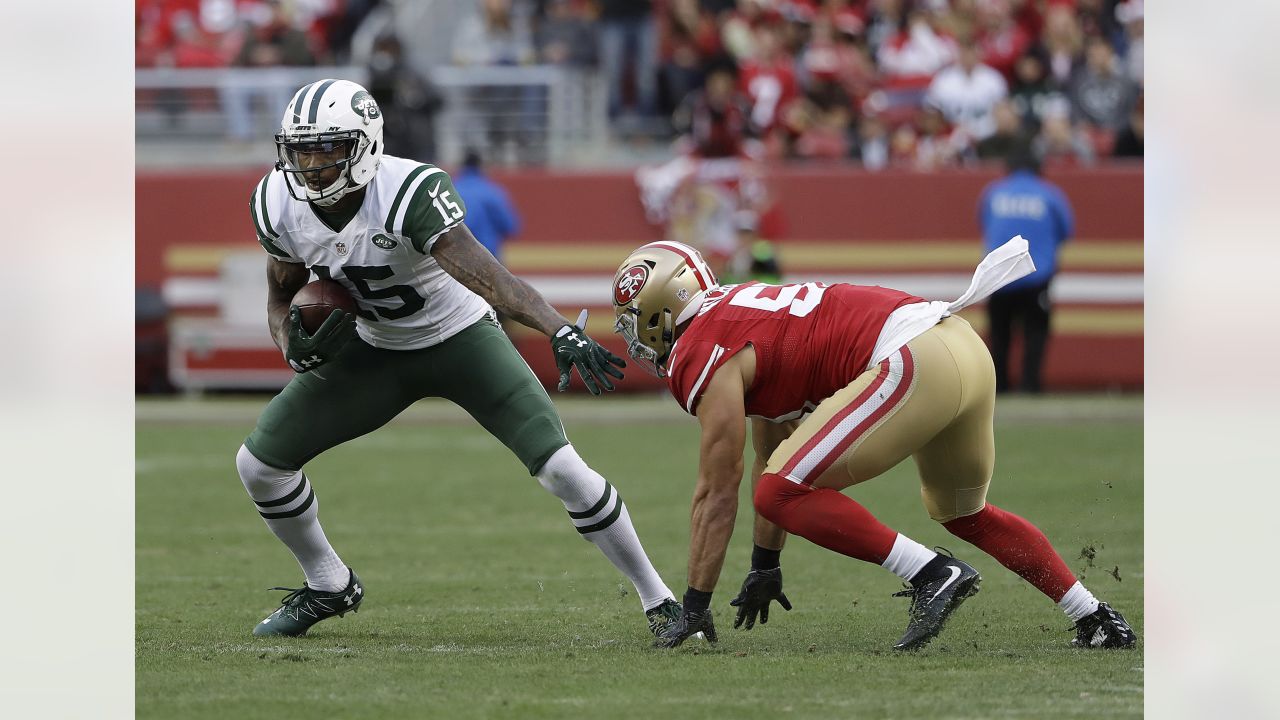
column 763, row 583
column 715, row 498
column 284, row 279
column 469, row 263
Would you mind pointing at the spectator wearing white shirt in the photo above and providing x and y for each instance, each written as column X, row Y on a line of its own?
column 966, row 92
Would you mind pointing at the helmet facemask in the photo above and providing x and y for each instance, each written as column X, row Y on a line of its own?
column 290, row 152
column 645, row 356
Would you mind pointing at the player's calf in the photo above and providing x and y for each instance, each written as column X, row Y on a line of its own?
column 1021, row 547
column 598, row 514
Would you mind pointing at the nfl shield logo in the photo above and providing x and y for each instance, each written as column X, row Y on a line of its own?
column 341, row 247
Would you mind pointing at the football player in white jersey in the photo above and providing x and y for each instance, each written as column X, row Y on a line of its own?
column 392, row 232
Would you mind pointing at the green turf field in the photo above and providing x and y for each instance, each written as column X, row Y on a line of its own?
column 482, row 601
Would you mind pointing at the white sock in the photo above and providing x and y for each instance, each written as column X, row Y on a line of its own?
column 1078, row 602
column 598, row 513
column 907, row 557
column 289, row 506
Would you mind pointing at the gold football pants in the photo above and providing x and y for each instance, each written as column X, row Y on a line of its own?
column 932, row 400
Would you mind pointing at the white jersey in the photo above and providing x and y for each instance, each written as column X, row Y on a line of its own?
column 382, row 255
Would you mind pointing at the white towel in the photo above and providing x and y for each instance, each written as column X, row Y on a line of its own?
column 1000, row 267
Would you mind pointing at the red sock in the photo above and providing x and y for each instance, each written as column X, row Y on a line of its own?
column 824, row 517
column 1018, row 545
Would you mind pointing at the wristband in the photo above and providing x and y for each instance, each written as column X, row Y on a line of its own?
column 696, row 600
column 764, row 558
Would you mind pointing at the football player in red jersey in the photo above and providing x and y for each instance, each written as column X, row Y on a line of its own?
column 842, row 382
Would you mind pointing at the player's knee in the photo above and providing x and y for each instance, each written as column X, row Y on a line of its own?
column 969, row 526
column 258, row 477
column 567, row 476
column 773, row 493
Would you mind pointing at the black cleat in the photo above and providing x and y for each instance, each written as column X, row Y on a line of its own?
column 660, row 616
column 304, row 607
column 936, row 591
column 1105, row 628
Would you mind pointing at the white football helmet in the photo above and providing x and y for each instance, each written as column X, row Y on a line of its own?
column 321, row 117
column 655, row 290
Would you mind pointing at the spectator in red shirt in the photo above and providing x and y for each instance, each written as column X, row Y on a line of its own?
column 768, row 79
column 1002, row 39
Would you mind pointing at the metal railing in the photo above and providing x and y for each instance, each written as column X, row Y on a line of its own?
column 518, row 115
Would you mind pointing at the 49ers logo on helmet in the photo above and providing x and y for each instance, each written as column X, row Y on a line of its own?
column 629, row 284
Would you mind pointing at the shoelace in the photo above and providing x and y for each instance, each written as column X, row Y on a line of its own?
column 913, row 592
column 294, row 596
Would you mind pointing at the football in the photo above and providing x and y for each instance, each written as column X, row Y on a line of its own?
column 317, row 300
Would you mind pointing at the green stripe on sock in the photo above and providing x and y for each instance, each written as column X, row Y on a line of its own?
column 293, row 495
column 604, row 500
column 311, row 497
column 613, row 516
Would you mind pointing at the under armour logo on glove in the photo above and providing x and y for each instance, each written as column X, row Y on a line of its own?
column 573, row 348
column 308, row 351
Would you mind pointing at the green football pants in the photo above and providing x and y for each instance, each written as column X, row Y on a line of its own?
column 365, row 387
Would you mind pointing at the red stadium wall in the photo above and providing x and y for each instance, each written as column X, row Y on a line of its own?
column 834, row 220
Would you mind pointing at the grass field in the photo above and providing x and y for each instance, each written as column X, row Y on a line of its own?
column 482, row 602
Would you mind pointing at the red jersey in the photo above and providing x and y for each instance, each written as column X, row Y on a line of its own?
column 810, row 340
column 770, row 86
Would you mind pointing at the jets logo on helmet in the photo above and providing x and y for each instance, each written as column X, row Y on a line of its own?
column 363, row 104
column 330, row 134
column 656, row 289
column 629, row 283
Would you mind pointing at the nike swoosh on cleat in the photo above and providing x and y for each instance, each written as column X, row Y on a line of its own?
column 955, row 573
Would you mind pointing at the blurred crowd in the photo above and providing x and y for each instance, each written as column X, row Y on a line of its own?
column 245, row 33
column 917, row 84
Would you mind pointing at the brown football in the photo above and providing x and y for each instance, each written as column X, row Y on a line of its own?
column 318, row 299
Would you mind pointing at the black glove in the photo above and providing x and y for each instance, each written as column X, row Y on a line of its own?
column 759, row 589
column 574, row 349
column 308, row 352
column 690, row 623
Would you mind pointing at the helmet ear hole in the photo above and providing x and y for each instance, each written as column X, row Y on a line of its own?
column 653, row 321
